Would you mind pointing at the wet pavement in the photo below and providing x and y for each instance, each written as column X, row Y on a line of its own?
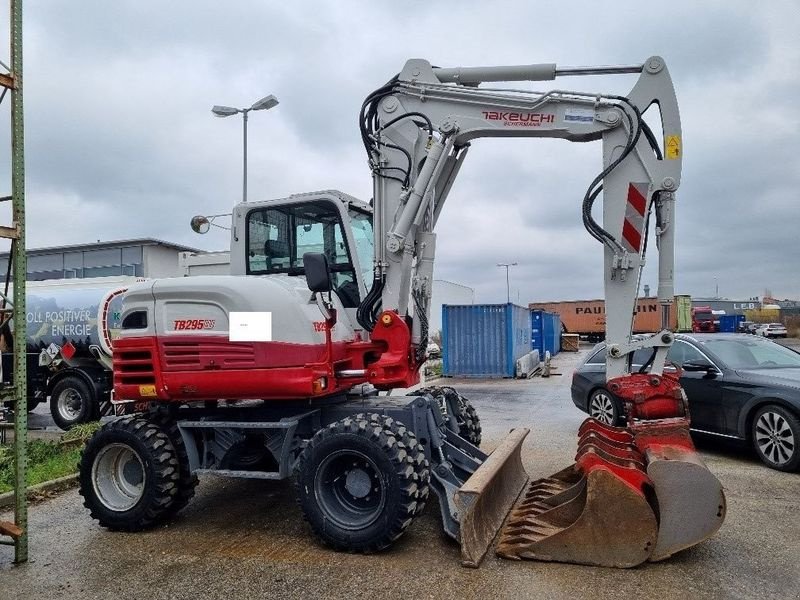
column 247, row 539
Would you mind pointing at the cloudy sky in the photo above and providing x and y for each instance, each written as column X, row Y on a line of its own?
column 121, row 142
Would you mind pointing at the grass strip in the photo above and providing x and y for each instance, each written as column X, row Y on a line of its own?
column 47, row 460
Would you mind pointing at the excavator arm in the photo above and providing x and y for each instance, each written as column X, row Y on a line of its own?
column 635, row 493
column 417, row 131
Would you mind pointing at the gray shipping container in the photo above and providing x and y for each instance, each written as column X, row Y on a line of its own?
column 484, row 340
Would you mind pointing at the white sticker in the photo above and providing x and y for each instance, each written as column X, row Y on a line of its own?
column 250, row 327
column 579, row 115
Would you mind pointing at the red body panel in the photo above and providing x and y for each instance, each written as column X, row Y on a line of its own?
column 202, row 367
column 188, row 368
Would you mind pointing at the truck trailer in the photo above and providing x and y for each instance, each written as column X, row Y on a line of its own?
column 588, row 317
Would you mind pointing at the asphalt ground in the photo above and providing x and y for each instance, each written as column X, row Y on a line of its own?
column 247, row 539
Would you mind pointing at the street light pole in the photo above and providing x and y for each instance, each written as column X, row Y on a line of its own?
column 265, row 103
column 244, row 155
column 508, row 288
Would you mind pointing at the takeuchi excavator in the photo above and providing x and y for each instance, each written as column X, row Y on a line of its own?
column 283, row 368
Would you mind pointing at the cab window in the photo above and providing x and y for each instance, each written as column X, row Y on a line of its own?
column 277, row 238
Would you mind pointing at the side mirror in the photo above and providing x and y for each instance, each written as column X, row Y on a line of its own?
column 318, row 274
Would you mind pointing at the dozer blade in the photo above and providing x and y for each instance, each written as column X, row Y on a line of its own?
column 691, row 503
column 594, row 519
column 483, row 501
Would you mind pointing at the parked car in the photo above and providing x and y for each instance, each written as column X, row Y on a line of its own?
column 772, row 330
column 752, row 328
column 746, row 327
column 738, row 386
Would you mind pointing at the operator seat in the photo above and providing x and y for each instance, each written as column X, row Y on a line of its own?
column 278, row 251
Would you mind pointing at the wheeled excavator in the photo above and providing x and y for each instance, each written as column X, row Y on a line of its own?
column 284, row 368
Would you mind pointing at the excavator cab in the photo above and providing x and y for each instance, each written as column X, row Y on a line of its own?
column 279, row 232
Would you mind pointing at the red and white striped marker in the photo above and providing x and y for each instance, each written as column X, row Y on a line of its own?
column 633, row 226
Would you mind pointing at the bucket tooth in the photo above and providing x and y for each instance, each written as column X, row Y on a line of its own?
column 483, row 501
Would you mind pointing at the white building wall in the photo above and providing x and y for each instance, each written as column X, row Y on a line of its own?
column 160, row 261
column 207, row 263
column 447, row 292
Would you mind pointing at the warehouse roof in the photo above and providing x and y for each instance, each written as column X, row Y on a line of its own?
column 109, row 244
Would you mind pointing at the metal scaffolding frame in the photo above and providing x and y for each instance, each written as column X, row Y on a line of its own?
column 14, row 308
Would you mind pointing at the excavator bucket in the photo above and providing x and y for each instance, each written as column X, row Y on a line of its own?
column 483, row 501
column 691, row 503
column 634, row 494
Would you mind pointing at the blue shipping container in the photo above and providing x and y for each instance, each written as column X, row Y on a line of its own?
column 545, row 332
column 484, row 340
column 730, row 323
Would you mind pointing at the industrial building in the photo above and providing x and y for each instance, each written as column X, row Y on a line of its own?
column 141, row 257
column 731, row 307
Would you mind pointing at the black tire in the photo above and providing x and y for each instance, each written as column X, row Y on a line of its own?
column 470, row 430
column 605, row 407
column 140, row 474
column 187, row 481
column 775, row 435
column 469, row 424
column 72, row 402
column 421, row 465
column 359, row 482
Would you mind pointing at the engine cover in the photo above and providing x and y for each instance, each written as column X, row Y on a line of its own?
column 180, row 347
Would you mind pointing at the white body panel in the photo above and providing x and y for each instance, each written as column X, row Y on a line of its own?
column 296, row 318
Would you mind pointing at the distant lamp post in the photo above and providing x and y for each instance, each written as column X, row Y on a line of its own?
column 508, row 288
column 227, row 111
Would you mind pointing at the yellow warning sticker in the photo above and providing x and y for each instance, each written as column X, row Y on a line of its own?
column 673, row 146
column 147, row 391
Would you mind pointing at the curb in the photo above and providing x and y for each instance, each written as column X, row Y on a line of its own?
column 45, row 488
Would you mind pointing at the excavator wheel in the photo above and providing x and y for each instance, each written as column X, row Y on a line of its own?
column 360, row 481
column 469, row 424
column 409, row 440
column 187, row 481
column 129, row 474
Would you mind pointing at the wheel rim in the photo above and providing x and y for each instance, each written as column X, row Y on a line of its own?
column 69, row 404
column 601, row 407
column 774, row 438
column 118, row 477
column 349, row 489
